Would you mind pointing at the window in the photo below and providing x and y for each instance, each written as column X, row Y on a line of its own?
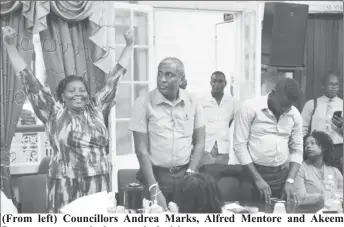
column 137, row 81
column 30, row 143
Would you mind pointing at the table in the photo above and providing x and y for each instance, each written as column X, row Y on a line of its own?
column 290, row 207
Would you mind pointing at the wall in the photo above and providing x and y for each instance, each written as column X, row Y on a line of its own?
column 189, row 36
column 324, row 51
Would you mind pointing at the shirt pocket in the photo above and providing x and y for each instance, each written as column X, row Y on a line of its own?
column 188, row 125
column 158, row 123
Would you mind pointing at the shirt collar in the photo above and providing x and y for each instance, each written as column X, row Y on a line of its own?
column 328, row 99
column 262, row 103
column 158, row 98
column 212, row 99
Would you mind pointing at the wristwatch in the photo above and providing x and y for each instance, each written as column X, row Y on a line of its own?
column 190, row 171
column 290, row 180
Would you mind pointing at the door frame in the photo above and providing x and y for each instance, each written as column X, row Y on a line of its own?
column 112, row 115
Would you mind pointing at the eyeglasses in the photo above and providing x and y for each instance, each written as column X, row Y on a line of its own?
column 333, row 85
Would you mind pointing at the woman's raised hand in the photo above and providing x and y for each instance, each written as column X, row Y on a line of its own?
column 129, row 37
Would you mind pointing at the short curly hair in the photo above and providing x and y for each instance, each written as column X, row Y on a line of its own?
column 65, row 81
column 199, row 193
column 325, row 142
column 290, row 88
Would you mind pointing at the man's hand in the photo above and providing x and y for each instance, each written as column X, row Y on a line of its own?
column 288, row 192
column 337, row 121
column 264, row 189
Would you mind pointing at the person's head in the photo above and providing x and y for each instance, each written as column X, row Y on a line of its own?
column 170, row 76
column 285, row 94
column 218, row 82
column 331, row 85
column 319, row 145
column 73, row 92
column 199, row 193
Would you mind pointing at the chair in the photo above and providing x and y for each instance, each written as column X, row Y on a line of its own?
column 32, row 189
column 228, row 178
column 44, row 165
column 32, row 193
column 125, row 177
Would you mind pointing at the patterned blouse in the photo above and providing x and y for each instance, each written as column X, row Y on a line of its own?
column 79, row 146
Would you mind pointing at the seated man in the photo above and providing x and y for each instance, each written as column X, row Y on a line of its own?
column 168, row 128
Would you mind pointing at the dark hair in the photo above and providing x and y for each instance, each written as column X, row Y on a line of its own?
column 325, row 142
column 199, row 193
column 325, row 79
column 219, row 73
column 290, row 88
column 64, row 82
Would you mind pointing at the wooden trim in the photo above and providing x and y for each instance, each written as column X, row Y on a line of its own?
column 316, row 7
column 223, row 6
column 30, row 128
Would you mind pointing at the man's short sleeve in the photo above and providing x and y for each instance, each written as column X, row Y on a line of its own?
column 138, row 120
column 199, row 115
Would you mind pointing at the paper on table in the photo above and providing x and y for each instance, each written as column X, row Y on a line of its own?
column 95, row 203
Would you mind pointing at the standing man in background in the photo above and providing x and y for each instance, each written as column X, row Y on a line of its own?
column 319, row 115
column 219, row 110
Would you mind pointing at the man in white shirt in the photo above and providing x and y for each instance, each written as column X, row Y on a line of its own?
column 268, row 141
column 323, row 118
column 219, row 111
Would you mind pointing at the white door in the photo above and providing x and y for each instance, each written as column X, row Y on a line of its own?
column 135, row 83
column 227, row 48
column 226, row 52
column 251, row 26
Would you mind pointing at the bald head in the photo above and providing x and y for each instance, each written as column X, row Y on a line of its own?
column 170, row 76
column 173, row 61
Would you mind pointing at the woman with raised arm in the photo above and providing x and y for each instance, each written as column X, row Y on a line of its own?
column 76, row 129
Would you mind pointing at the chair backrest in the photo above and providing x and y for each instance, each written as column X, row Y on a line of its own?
column 125, row 177
column 32, row 193
column 44, row 165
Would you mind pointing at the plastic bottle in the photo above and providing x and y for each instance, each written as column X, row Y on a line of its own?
column 328, row 194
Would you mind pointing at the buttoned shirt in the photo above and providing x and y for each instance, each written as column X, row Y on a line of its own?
column 217, row 118
column 169, row 126
column 321, row 119
column 261, row 139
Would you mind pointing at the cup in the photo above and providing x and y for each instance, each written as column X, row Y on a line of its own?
column 134, row 194
column 147, row 204
column 279, row 208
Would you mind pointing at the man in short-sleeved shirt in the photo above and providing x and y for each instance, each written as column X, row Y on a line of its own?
column 168, row 129
column 219, row 110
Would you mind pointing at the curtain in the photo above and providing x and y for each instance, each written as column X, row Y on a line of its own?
column 12, row 97
column 79, row 40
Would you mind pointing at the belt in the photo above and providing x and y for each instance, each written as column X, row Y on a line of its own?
column 174, row 169
column 273, row 168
